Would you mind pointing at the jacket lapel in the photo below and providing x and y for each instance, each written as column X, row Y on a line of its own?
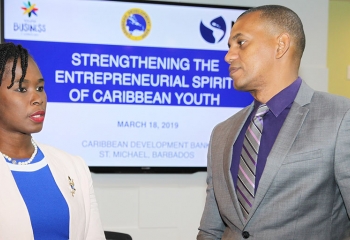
column 61, row 167
column 283, row 143
column 12, row 207
column 233, row 133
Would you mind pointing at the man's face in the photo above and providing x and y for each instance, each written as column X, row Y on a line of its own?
column 251, row 53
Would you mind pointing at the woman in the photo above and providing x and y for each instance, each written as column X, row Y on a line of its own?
column 45, row 193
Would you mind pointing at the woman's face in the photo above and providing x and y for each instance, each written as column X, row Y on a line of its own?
column 22, row 110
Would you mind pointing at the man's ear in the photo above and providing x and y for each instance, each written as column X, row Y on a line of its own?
column 283, row 44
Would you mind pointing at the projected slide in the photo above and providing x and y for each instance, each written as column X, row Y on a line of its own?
column 129, row 84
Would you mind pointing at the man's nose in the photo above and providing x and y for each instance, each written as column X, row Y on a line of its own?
column 231, row 55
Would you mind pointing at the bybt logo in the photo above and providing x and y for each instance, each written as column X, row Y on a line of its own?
column 215, row 31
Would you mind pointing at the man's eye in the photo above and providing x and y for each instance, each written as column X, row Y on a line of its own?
column 240, row 43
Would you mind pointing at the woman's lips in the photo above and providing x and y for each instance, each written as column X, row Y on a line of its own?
column 38, row 116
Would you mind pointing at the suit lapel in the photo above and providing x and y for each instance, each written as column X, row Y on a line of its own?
column 283, row 143
column 241, row 118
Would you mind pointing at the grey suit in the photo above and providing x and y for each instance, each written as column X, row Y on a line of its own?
column 305, row 187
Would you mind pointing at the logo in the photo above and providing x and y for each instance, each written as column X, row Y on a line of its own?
column 215, row 32
column 30, row 9
column 29, row 26
column 136, row 24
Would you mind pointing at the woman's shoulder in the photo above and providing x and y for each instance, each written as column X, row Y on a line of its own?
column 53, row 153
column 53, row 150
column 46, row 147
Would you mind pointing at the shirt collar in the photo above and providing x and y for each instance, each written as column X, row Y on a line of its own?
column 283, row 99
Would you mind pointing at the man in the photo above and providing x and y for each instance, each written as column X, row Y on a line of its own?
column 280, row 168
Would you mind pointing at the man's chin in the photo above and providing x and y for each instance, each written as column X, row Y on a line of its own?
column 238, row 86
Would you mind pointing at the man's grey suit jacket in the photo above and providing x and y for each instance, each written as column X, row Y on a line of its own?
column 304, row 191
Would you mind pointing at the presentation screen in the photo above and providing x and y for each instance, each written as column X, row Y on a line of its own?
column 131, row 86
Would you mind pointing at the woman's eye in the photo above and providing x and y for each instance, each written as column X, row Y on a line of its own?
column 21, row 90
column 40, row 89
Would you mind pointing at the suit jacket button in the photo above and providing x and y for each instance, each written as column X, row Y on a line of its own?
column 245, row 234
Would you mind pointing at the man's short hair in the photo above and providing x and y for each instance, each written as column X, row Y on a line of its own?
column 284, row 19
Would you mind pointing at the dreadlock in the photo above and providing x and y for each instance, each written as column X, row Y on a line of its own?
column 11, row 52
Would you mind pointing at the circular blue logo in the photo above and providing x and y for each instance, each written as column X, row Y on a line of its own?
column 215, row 32
column 136, row 24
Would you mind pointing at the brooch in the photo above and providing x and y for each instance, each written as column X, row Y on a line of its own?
column 71, row 184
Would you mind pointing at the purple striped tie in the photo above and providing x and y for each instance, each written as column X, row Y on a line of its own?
column 247, row 164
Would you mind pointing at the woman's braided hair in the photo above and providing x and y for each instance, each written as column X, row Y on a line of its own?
column 12, row 52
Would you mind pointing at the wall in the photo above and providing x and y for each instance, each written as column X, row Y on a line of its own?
column 169, row 207
column 157, row 207
column 339, row 47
